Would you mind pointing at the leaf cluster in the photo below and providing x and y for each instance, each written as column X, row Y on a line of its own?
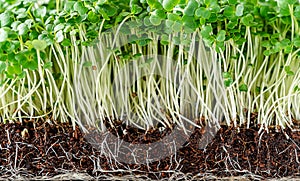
column 27, row 26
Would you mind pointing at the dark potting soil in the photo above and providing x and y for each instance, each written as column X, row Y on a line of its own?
column 51, row 149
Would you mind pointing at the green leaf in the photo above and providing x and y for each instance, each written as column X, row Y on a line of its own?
column 2, row 67
column 203, row 13
column 226, row 75
column 80, row 8
column 87, row 43
column 266, row 44
column 58, row 27
column 40, row 12
column 214, row 7
column 66, row 42
column 228, row 82
column 5, row 19
column 173, row 17
column 147, row 21
column 267, row 52
column 15, row 25
column 143, row 41
column 103, row 14
column 247, row 20
column 21, row 75
column 131, row 39
column 49, row 27
column 264, row 34
column 48, row 38
column 297, row 12
column 155, row 20
column 160, row 13
column 286, row 20
column 33, row 35
column 221, row 36
column 232, row 24
column 21, row 57
column 202, row 21
column 154, row 4
column 264, row 11
column 239, row 10
column 291, row 2
column 243, row 88
column 169, row 23
column 165, row 39
column 257, row 89
column 213, row 18
column 3, row 35
column 120, row 17
column 124, row 14
column 285, row 42
column 69, row 6
column 137, row 56
column 12, row 58
column 31, row 65
column 29, row 23
column 173, row 21
column 10, row 70
column 22, row 29
column 100, row 2
column 59, row 36
column 3, row 57
column 220, row 47
column 48, row 65
column 229, row 12
column 274, row 41
column 68, row 28
column 109, row 10
column 288, row 49
column 169, row 4
column 57, row 76
column 191, row 7
column 206, row 31
column 21, row 13
column 296, row 42
column 233, row 2
column 189, row 24
column 14, row 69
column 151, row 3
column 125, row 30
column 283, row 6
column 39, row 44
column 10, row 46
column 288, row 71
column 93, row 17
column 136, row 9
column 176, row 27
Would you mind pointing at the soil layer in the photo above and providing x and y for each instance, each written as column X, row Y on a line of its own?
column 42, row 148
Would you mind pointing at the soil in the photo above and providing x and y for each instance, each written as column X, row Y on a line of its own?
column 47, row 149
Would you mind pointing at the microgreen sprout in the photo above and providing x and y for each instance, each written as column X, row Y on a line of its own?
column 171, row 61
